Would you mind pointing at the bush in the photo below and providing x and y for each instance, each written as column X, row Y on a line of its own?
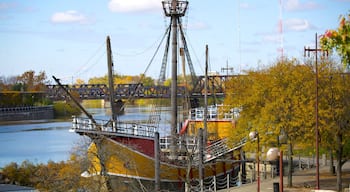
column 65, row 109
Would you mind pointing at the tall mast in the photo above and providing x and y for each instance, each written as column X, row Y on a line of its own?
column 174, row 9
column 205, row 131
column 110, row 79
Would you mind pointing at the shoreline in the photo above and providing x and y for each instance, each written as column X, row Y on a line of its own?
column 19, row 122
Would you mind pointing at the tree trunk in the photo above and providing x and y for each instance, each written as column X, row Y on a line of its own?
column 339, row 161
column 290, row 164
column 331, row 164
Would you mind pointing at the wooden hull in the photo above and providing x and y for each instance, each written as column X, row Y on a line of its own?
column 126, row 161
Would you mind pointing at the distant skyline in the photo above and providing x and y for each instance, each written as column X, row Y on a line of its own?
column 67, row 38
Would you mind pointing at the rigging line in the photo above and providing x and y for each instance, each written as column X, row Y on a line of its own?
column 154, row 55
column 149, row 64
column 81, row 68
column 141, row 52
column 195, row 55
column 165, row 58
column 89, row 67
column 239, row 37
column 189, row 60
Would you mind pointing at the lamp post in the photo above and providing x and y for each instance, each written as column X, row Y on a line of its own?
column 255, row 135
column 272, row 155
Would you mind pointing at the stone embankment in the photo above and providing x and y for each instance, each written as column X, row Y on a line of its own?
column 26, row 113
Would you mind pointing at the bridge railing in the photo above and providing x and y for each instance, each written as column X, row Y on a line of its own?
column 106, row 127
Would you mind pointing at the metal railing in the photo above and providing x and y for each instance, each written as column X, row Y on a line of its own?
column 81, row 124
column 189, row 142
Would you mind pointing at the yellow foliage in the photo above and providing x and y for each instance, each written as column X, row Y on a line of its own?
column 275, row 101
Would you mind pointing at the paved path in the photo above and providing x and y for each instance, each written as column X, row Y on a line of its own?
column 302, row 181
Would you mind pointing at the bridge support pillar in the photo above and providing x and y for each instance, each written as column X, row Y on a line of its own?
column 119, row 106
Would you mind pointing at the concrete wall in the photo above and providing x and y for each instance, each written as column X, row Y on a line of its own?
column 26, row 113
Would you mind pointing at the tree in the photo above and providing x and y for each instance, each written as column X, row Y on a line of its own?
column 6, row 83
column 334, row 113
column 339, row 40
column 123, row 79
column 79, row 81
column 53, row 176
column 32, row 82
column 275, row 102
column 337, row 100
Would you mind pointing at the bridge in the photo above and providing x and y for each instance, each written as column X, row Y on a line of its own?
column 216, row 88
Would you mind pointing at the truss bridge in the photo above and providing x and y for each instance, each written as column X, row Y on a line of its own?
column 216, row 88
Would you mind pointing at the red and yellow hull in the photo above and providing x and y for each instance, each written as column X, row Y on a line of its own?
column 127, row 161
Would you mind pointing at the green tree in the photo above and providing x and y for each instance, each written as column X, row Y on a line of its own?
column 339, row 40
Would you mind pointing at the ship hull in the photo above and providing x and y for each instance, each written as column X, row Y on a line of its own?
column 124, row 160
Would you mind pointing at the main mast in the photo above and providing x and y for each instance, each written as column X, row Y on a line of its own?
column 110, row 79
column 174, row 9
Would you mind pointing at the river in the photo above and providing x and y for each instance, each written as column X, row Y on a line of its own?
column 43, row 141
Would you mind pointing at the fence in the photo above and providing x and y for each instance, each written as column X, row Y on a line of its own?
column 26, row 113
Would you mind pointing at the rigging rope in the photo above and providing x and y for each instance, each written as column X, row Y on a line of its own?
column 83, row 69
column 137, row 87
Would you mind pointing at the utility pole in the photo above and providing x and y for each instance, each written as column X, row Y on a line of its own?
column 227, row 68
column 316, row 50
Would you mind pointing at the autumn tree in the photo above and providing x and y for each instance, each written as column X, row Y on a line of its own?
column 334, row 112
column 53, row 176
column 336, row 98
column 79, row 81
column 339, row 40
column 123, row 79
column 274, row 102
column 7, row 83
column 32, row 82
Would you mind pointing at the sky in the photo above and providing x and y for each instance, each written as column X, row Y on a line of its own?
column 67, row 38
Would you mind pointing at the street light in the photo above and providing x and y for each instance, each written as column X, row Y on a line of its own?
column 255, row 135
column 271, row 155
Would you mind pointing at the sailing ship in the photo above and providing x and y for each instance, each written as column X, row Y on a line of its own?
column 134, row 152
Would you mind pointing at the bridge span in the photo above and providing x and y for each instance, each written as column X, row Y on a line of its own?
column 216, row 87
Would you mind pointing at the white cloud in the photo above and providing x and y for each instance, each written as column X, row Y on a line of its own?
column 297, row 24
column 71, row 16
column 134, row 5
column 296, row 5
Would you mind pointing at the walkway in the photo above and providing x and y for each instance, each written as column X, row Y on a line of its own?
column 302, row 181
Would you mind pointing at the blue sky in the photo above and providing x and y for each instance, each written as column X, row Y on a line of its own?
column 66, row 38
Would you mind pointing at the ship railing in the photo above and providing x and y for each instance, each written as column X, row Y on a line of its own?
column 189, row 143
column 218, row 149
column 213, row 113
column 82, row 124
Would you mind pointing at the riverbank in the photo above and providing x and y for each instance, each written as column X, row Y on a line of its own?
column 27, row 113
column 35, row 121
